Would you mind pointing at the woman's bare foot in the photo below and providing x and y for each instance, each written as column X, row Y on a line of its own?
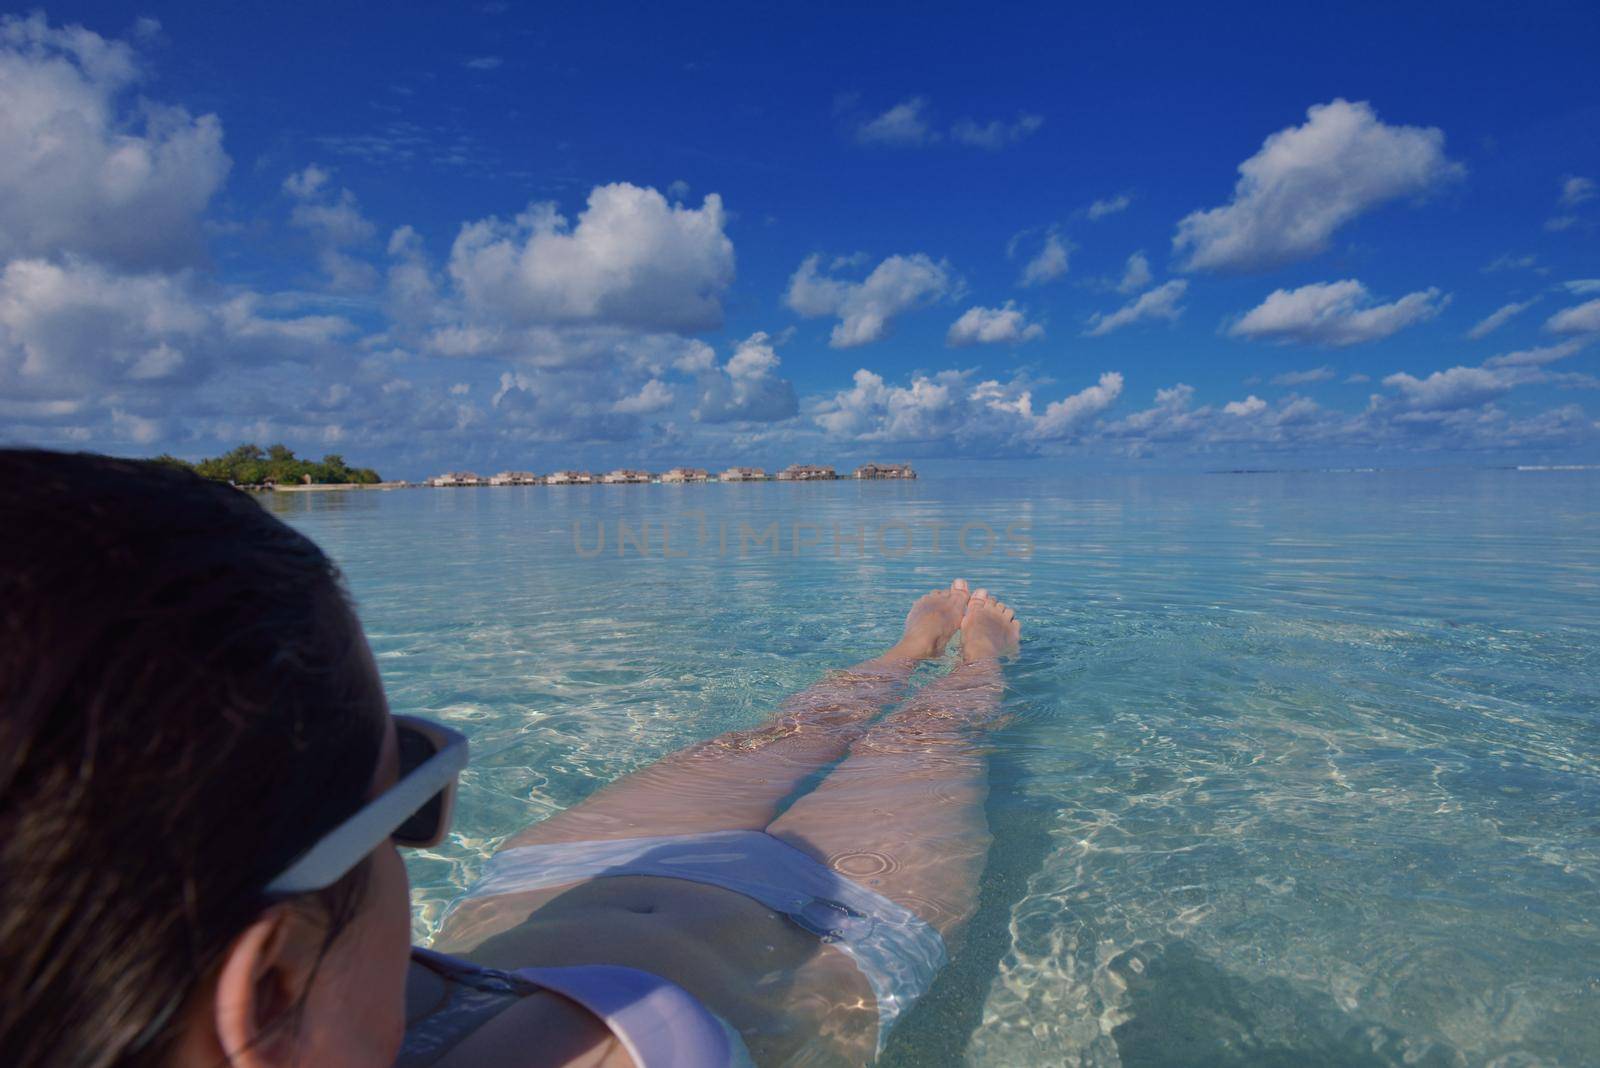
column 989, row 629
column 932, row 622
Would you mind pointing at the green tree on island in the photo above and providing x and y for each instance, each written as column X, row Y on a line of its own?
column 250, row 465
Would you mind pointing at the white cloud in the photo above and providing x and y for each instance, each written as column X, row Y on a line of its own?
column 1508, row 262
column 335, row 223
column 1172, row 416
column 747, row 388
column 1576, row 189
column 654, row 396
column 242, row 321
column 1063, row 417
column 908, row 125
column 73, row 329
column 1464, row 387
column 1458, row 387
column 678, row 190
column 136, row 429
column 1498, row 318
column 1580, row 319
column 995, row 135
column 562, row 406
column 1466, row 418
column 81, row 173
column 1050, row 263
column 1334, row 313
column 1110, row 205
column 307, row 182
column 1251, row 405
column 79, row 329
column 334, row 219
column 1159, row 303
column 1303, row 378
column 1136, row 275
column 413, row 291
column 903, row 126
column 347, row 274
column 697, row 358
column 873, row 411
column 1538, row 357
column 1580, row 287
column 631, row 260
column 989, row 326
column 484, row 63
column 949, row 408
column 1309, row 180
column 867, row 308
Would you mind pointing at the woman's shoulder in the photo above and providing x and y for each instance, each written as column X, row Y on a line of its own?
column 463, row 1012
column 540, row 1030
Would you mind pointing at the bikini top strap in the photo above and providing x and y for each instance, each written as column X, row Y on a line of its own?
column 659, row 1023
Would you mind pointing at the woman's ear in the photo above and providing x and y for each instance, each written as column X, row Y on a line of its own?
column 263, row 983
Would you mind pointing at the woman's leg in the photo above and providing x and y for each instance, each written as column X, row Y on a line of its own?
column 903, row 814
column 737, row 780
column 788, row 993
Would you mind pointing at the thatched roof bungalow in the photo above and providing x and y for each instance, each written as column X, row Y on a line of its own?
column 885, row 471
column 457, row 478
column 807, row 473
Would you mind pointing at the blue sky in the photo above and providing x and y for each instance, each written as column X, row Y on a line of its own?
column 510, row 236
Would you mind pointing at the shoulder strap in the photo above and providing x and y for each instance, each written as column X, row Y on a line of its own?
column 659, row 1023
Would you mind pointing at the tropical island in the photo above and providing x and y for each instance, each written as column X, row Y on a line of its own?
column 276, row 465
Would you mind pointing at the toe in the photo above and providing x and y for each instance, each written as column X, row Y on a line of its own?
column 980, row 595
column 959, row 586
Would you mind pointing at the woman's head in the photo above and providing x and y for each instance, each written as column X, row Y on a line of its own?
column 186, row 704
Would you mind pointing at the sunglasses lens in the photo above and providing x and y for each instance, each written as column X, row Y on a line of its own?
column 423, row 825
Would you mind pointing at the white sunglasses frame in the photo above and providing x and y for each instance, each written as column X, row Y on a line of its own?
column 342, row 848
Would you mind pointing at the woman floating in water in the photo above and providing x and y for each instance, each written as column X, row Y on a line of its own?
column 201, row 791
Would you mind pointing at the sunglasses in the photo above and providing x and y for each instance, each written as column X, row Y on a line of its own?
column 414, row 812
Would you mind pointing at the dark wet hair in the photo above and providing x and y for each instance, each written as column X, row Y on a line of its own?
column 183, row 711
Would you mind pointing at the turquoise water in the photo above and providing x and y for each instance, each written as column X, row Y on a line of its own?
column 1304, row 768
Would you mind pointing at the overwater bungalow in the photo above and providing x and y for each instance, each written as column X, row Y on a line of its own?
column 458, row 478
column 569, row 478
column 624, row 477
column 515, row 478
column 885, row 471
column 743, row 474
column 806, row 473
column 686, row 474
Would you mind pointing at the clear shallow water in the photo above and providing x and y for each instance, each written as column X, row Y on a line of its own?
column 1304, row 768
